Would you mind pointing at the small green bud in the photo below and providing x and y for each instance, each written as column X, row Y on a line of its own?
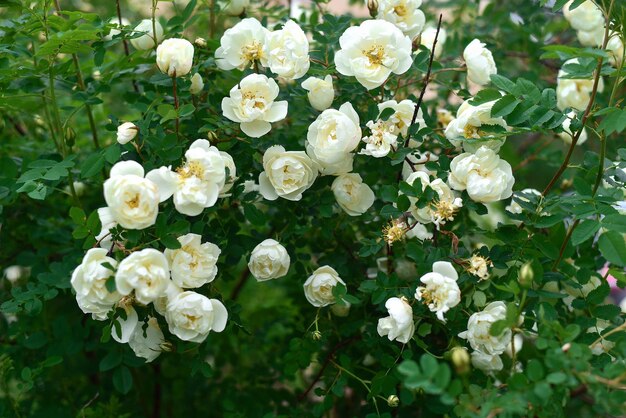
column 316, row 335
column 460, row 359
column 70, row 136
column 526, row 275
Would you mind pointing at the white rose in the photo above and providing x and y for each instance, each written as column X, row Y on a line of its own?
column 15, row 273
column 197, row 184
column 399, row 324
column 585, row 17
column 318, row 288
column 334, row 134
column 89, row 282
column 235, row 7
column 567, row 135
column 126, row 132
column 591, row 38
column 115, row 21
column 440, row 291
column 146, row 272
column 478, row 326
column 191, row 316
column 147, row 346
column 353, row 196
column 319, row 92
column 382, row 139
column 251, row 104
column 194, row 264
column 106, row 220
column 469, row 119
column 229, row 163
column 269, row 260
column 197, row 85
column 146, row 41
column 160, row 304
column 444, row 206
column 403, row 115
column 343, row 166
column 124, row 328
column 175, row 57
column 485, row 176
column 574, row 93
column 287, row 174
column 615, row 48
column 288, row 51
column 488, row 363
column 515, row 207
column 405, row 14
column 419, row 232
column 480, row 63
column 479, row 266
column 243, row 45
column 428, row 38
column 132, row 199
column 372, row 51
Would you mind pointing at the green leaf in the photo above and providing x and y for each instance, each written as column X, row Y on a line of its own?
column 484, row 96
column 122, row 380
column 170, row 242
column 503, row 83
column 613, row 247
column 504, row 106
column 585, row 230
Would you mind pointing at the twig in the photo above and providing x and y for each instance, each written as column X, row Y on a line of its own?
column 124, row 41
column 240, row 283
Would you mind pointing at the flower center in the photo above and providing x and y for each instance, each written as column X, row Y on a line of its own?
column 444, row 210
column 375, row 54
column 258, row 103
column 400, row 9
column 394, row 232
column 471, row 131
column 253, row 51
column 134, row 202
column 191, row 169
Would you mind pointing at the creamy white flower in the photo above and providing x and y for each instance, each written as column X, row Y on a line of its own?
column 480, row 63
column 469, row 119
column 402, row 116
column 399, row 324
column 269, row 260
column 567, row 135
column 235, row 7
column 353, row 196
column 515, row 207
column 478, row 326
column 243, row 45
column 444, row 117
column 334, row 134
column 288, row 51
column 440, row 291
column 197, row 184
column 479, row 266
column 372, row 51
column 126, row 132
column 89, row 282
column 382, row 139
column 286, row 174
column 428, row 38
column 160, row 304
column 106, row 220
column 485, row 176
column 174, row 57
column 146, row 41
column 585, row 17
column 191, row 316
column 197, row 85
column 124, row 328
column 405, row 14
column 15, row 273
column 133, row 200
column 574, row 93
column 252, row 104
column 116, row 27
column 594, row 37
column 319, row 92
column 442, row 209
column 343, row 166
column 194, row 264
column 229, row 163
column 488, row 363
column 146, row 272
column 318, row 288
column 615, row 48
column 418, row 163
column 419, row 232
column 147, row 343
column 517, row 344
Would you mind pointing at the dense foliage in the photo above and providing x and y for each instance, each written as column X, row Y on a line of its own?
column 538, row 274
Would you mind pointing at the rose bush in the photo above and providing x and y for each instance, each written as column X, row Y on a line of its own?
column 257, row 210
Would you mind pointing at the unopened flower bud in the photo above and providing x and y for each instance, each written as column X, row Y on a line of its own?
column 372, row 5
column 166, row 346
column 393, row 401
column 316, row 335
column 70, row 136
column 460, row 359
column 126, row 132
column 211, row 136
column 566, row 347
column 526, row 275
column 201, row 42
column 341, row 310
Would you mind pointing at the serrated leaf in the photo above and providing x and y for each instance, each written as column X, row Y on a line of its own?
column 613, row 247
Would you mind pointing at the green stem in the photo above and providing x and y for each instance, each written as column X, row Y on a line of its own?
column 154, row 33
